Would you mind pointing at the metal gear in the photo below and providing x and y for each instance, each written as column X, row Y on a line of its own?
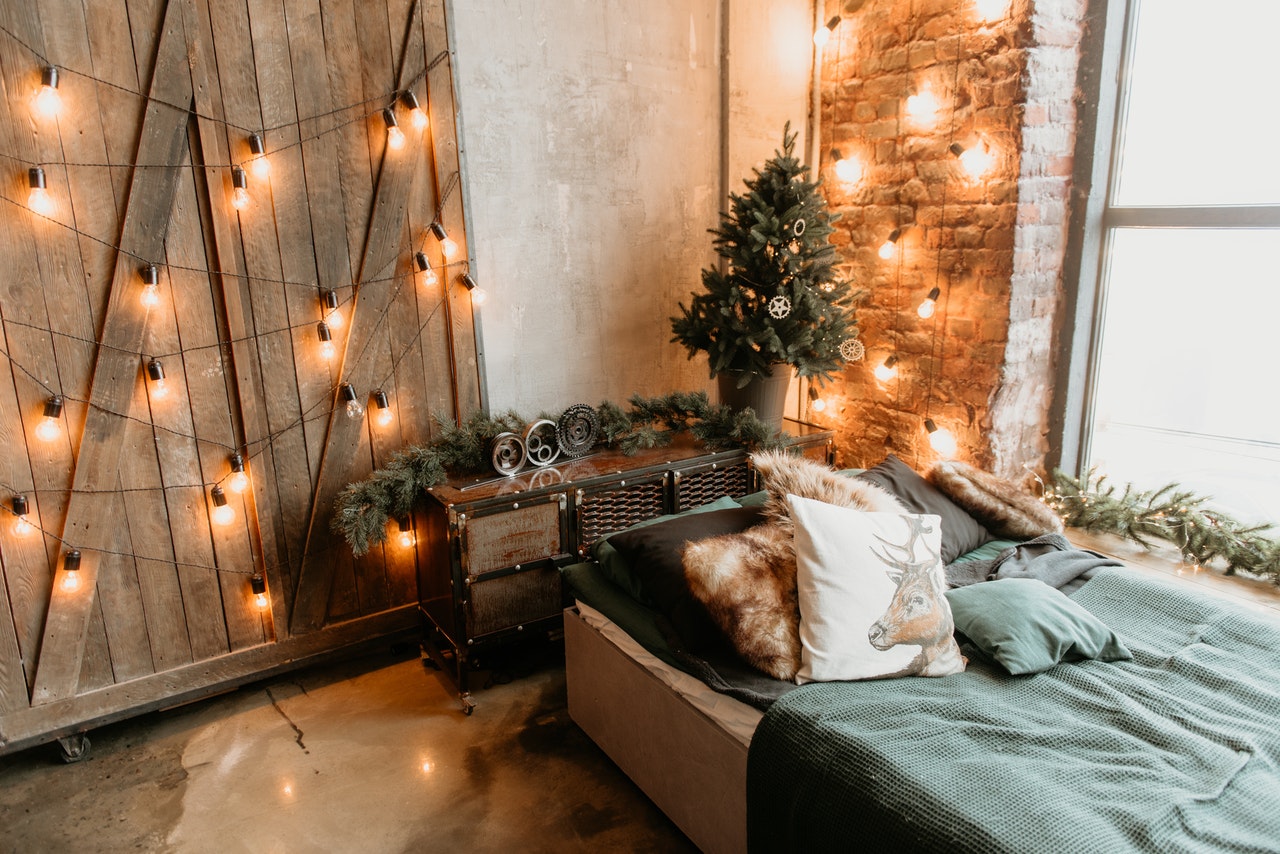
column 507, row 453
column 540, row 442
column 577, row 429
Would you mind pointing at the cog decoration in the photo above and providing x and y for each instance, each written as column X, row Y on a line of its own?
column 577, row 429
column 540, row 442
column 507, row 454
column 852, row 350
column 779, row 307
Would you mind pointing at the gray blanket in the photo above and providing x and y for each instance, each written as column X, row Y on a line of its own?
column 1049, row 558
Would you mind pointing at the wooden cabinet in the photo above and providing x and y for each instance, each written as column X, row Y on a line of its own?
column 492, row 546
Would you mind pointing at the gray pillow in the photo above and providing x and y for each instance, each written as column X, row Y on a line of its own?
column 961, row 533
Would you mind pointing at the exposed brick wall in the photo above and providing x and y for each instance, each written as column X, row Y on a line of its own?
column 981, row 367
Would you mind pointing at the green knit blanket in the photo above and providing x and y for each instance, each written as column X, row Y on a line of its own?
column 1175, row 751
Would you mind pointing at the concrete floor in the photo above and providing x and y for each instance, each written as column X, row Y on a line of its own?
column 369, row 755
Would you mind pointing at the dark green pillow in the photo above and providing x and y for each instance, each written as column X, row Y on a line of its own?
column 1028, row 626
column 961, row 533
column 616, row 568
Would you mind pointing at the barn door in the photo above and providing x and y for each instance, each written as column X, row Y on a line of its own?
column 168, row 310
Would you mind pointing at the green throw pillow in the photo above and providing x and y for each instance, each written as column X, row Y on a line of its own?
column 617, row 569
column 1028, row 626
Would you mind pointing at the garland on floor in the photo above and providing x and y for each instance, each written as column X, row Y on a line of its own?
column 1172, row 514
column 364, row 508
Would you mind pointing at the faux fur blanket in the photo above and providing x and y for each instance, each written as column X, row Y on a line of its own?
column 1004, row 508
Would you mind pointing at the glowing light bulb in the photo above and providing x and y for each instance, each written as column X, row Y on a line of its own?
column 923, row 106
column 887, row 370
column 48, row 103
column 38, row 200
column 355, row 409
column 848, row 169
column 239, row 480
column 976, row 161
column 941, row 439
column 258, row 587
column 448, row 246
column 21, row 525
column 150, row 296
column 406, row 532
column 326, row 341
column 223, row 514
column 823, row 34
column 155, row 373
column 478, row 294
column 71, row 571
column 930, row 303
column 395, row 136
column 990, row 10
column 240, row 188
column 417, row 115
column 259, row 163
column 890, row 247
column 819, row 405
column 50, row 427
column 383, row 404
column 428, row 275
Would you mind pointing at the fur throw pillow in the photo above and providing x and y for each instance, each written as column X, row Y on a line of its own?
column 786, row 474
column 747, row 582
column 1004, row 507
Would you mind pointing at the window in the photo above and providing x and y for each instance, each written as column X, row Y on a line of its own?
column 1177, row 349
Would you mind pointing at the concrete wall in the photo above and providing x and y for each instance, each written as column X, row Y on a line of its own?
column 594, row 157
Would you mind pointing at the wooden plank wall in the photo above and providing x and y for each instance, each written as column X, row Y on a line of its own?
column 159, row 99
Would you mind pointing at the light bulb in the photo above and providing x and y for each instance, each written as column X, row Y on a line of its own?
column 382, row 403
column 930, row 303
column 823, row 34
column 21, row 525
column 240, row 189
column 258, row 587
column 223, row 514
column 923, row 106
column 990, row 10
column 48, row 103
column 478, row 294
column 428, row 275
column 407, row 538
column 50, row 427
column 239, row 480
column 259, row 163
column 448, row 246
column 326, row 351
column 355, row 409
column 819, row 404
column 38, row 200
column 150, row 295
column 326, row 341
column 159, row 389
column 849, row 170
column 395, row 136
column 417, row 115
column 71, row 571
column 260, row 600
column 887, row 370
column 890, row 246
column 941, row 439
column 976, row 161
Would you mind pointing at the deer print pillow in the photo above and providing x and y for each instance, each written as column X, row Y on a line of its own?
column 870, row 589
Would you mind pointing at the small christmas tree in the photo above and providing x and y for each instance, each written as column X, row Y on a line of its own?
column 778, row 300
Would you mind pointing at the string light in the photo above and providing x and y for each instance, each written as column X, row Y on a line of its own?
column 223, row 514
column 930, row 303
column 407, row 538
column 448, row 246
column 890, row 246
column 258, row 587
column 383, row 404
column 259, row 163
column 816, row 403
column 155, row 373
column 395, row 136
column 942, row 439
column 990, row 10
column 417, row 115
column 38, row 199
column 326, row 341
column 239, row 188
column 823, row 34
column 923, row 106
column 71, row 571
column 888, row 369
column 329, row 309
column 428, row 277
column 975, row 161
column 348, row 394
column 150, row 296
column 50, row 427
column 48, row 102
column 847, row 169
column 478, row 294
column 239, row 480
column 21, row 525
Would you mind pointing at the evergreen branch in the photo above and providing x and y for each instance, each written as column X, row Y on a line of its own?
column 1172, row 514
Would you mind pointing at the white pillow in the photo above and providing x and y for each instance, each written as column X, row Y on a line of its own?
column 848, row 567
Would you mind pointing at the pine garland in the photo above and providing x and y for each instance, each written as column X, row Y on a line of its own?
column 1172, row 514
column 364, row 508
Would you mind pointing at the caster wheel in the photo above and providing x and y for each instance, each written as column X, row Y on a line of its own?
column 74, row 748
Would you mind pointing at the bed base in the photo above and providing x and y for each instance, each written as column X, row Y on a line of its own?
column 689, row 767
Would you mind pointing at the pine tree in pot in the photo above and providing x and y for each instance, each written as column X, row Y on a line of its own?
column 778, row 305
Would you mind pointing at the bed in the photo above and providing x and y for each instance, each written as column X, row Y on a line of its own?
column 1172, row 749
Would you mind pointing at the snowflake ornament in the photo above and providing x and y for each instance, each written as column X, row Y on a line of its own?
column 851, row 350
column 779, row 307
